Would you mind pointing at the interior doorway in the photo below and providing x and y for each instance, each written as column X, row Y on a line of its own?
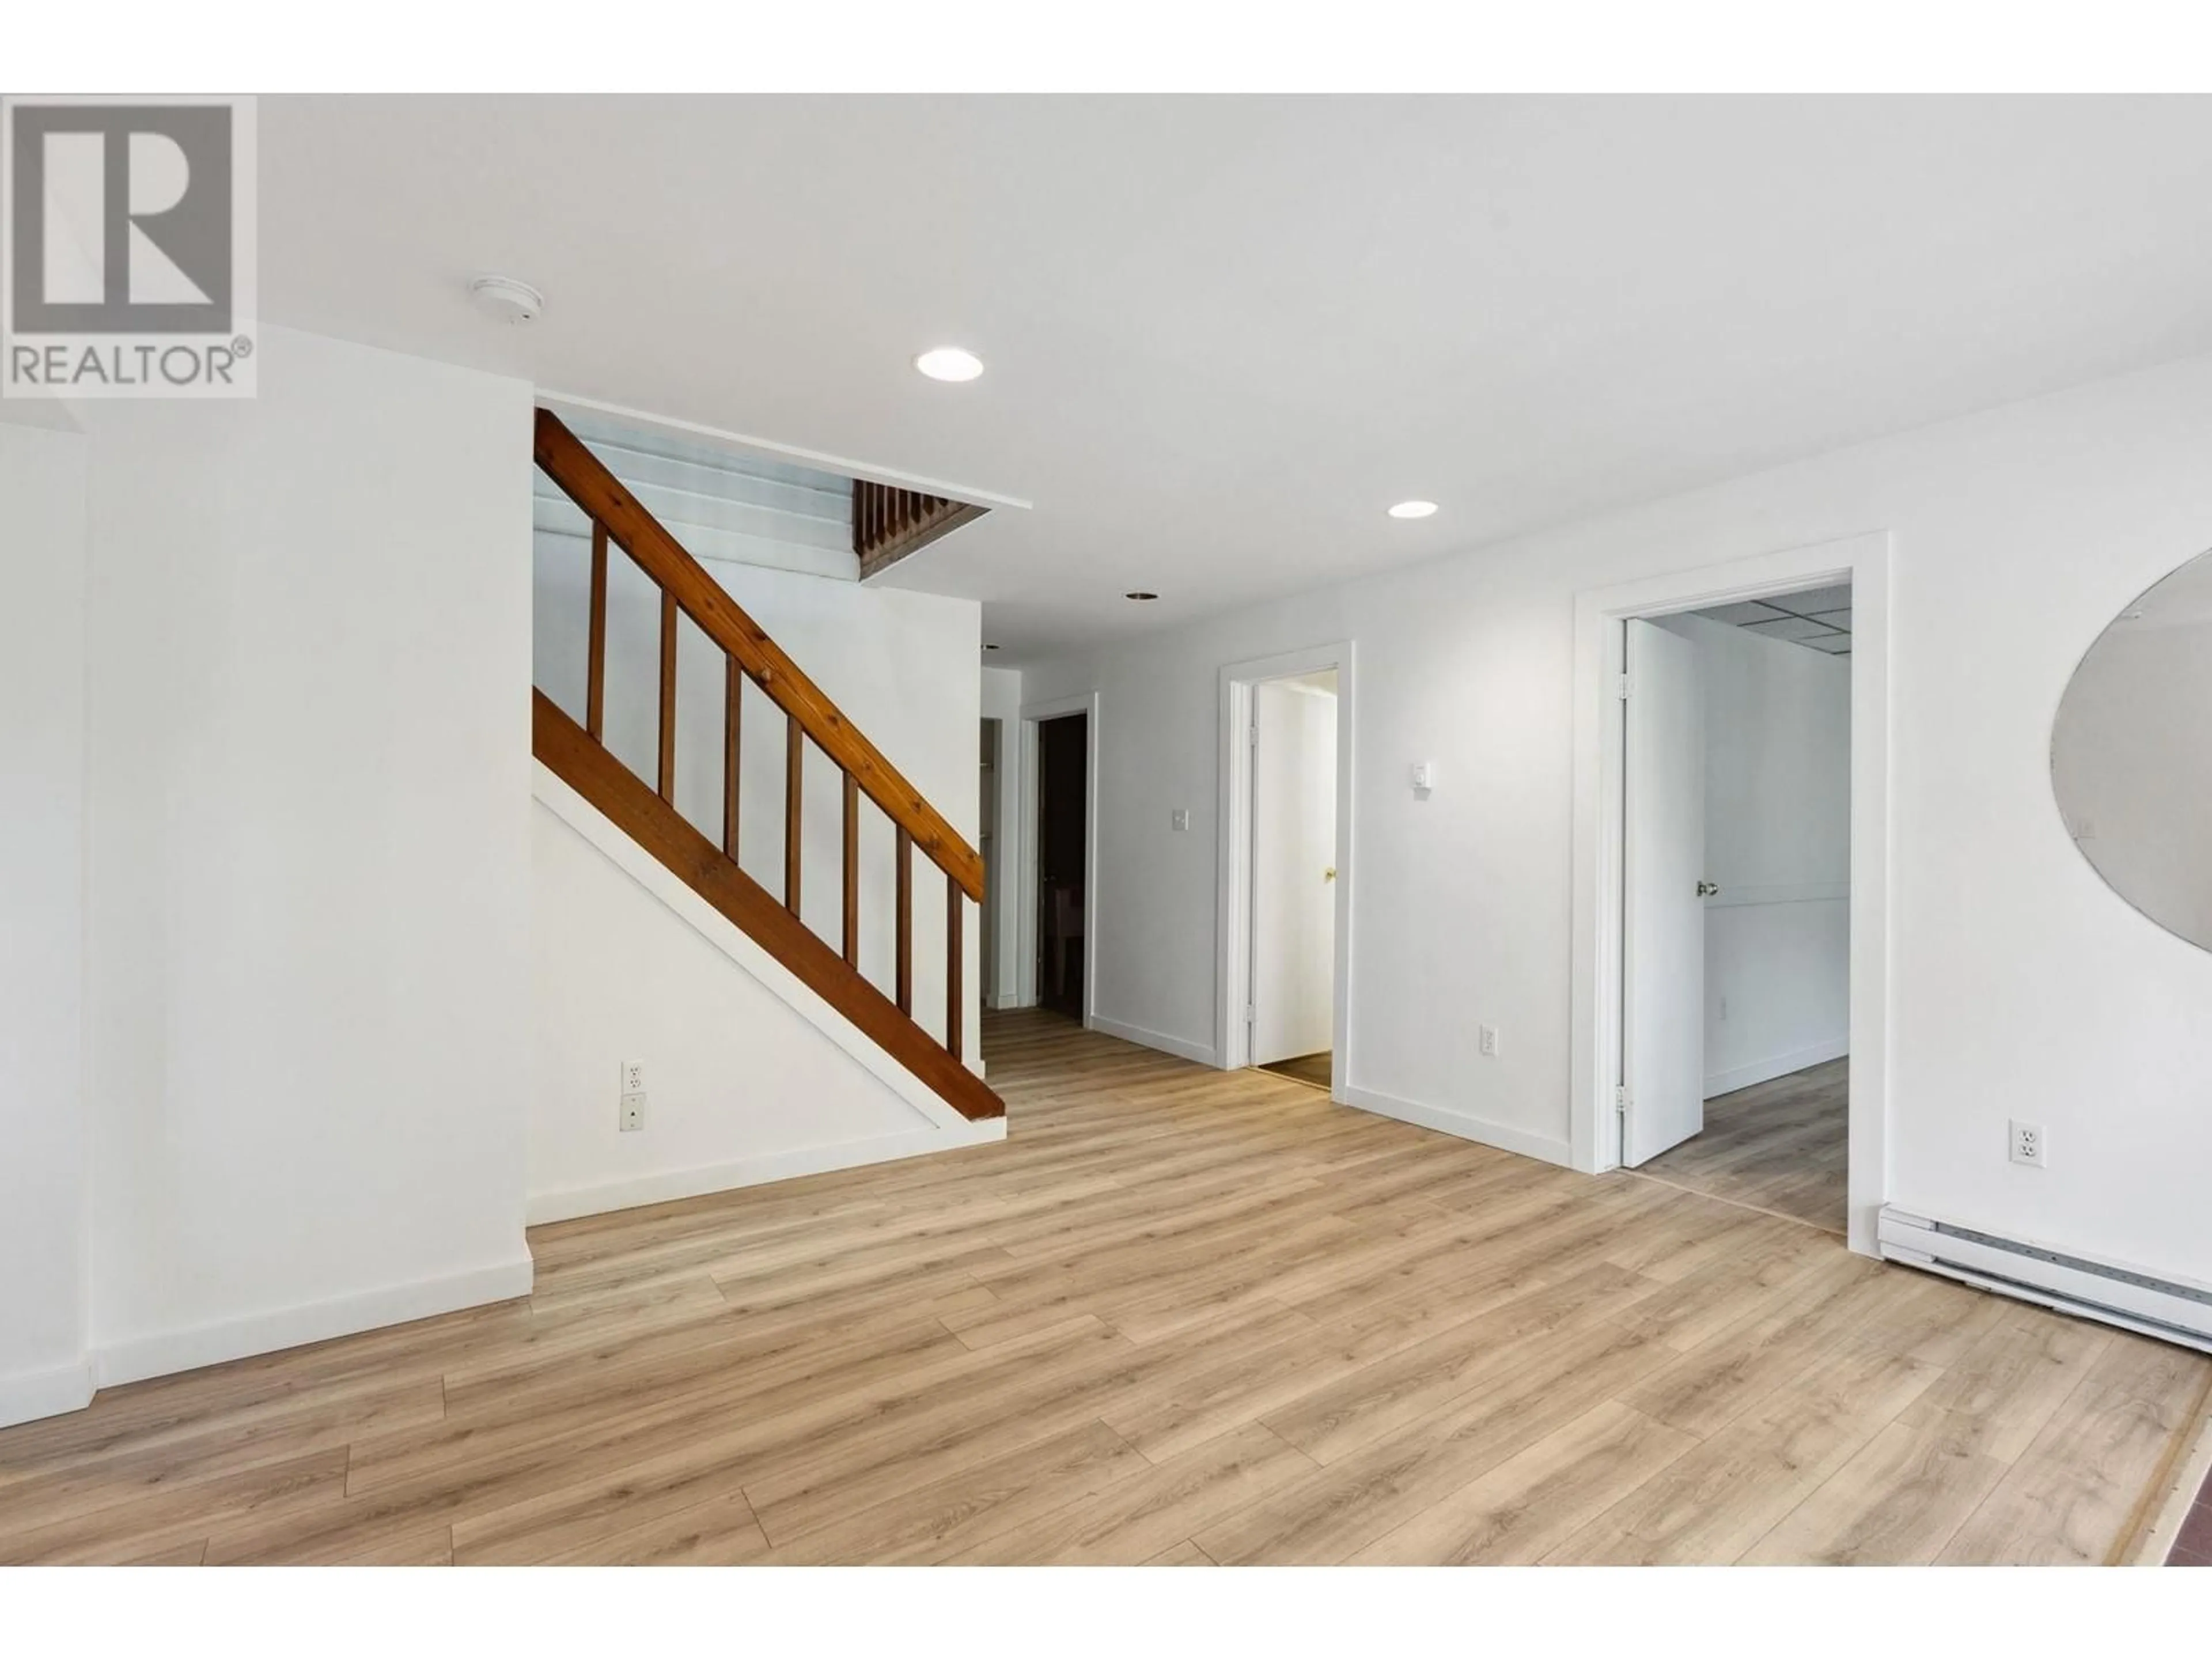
column 1293, row 874
column 1063, row 862
column 1285, row 866
column 992, row 748
column 1734, row 898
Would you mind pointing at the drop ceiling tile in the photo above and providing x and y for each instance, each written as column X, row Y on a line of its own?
column 1794, row 628
column 1750, row 611
column 1834, row 618
column 1814, row 600
column 1836, row 645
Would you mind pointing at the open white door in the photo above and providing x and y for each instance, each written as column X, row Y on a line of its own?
column 1293, row 870
column 1663, row 920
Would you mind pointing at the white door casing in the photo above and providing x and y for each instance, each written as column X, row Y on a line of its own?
column 1663, row 913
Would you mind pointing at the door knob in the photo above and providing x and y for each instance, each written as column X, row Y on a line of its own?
column 1708, row 889
column 1329, row 874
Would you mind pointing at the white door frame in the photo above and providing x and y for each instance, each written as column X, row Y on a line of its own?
column 1601, row 618
column 1233, row 855
column 1025, row 975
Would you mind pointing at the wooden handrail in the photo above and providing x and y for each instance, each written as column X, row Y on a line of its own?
column 587, row 482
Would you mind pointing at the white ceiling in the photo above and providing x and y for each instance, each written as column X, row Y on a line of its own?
column 1223, row 335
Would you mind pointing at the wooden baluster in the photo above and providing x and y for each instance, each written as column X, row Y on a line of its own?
column 852, row 871
column 733, row 707
column 595, row 695
column 905, row 923
column 667, row 784
column 952, row 1020
column 795, row 775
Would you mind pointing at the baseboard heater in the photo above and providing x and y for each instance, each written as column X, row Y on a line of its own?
column 2174, row 1310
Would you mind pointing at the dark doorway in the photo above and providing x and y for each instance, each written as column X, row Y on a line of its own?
column 1063, row 813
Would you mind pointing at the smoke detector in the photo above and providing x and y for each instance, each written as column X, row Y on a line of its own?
column 505, row 298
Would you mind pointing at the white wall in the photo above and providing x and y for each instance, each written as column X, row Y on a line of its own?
column 1002, row 701
column 309, row 799
column 2020, row 986
column 1777, row 843
column 725, row 506
column 43, row 1172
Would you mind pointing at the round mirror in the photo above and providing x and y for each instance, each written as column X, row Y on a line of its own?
column 2131, row 754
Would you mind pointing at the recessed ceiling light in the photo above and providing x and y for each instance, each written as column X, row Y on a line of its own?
column 1140, row 594
column 1413, row 509
column 509, row 301
column 949, row 363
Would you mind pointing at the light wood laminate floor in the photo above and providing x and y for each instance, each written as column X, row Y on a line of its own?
column 1782, row 1146
column 1179, row 1315
column 1312, row 1070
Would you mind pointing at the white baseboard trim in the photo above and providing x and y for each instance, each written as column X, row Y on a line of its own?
column 668, row 1185
column 142, row 1357
column 29, row 1395
column 1775, row 1066
column 1552, row 1149
column 1201, row 1052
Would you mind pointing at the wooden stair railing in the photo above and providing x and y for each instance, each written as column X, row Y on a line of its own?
column 889, row 523
column 647, row 811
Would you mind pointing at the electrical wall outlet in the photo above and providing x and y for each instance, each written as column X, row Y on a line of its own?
column 632, row 1077
column 1179, row 818
column 2030, row 1145
column 1486, row 1041
column 633, row 1112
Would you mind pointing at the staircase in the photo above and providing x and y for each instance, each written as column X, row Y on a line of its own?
column 646, row 811
column 889, row 523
